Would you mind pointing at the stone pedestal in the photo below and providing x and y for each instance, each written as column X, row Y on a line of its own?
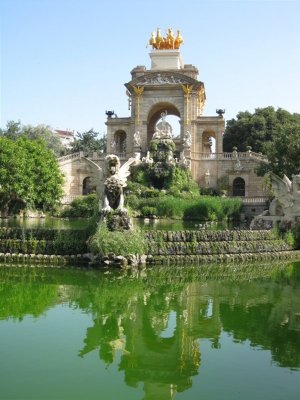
column 166, row 59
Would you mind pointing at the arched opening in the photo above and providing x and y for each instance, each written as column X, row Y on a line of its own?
column 238, row 187
column 208, row 142
column 87, row 187
column 119, row 142
column 172, row 118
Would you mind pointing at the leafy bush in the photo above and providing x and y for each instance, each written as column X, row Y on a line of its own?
column 181, row 180
column 150, row 193
column 291, row 236
column 296, row 235
column 30, row 175
column 147, row 211
column 138, row 176
column 213, row 208
column 187, row 207
column 85, row 206
column 171, row 207
column 122, row 243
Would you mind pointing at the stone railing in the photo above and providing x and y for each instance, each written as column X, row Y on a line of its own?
column 68, row 199
column 254, row 200
column 92, row 156
column 217, row 156
column 247, row 155
column 73, row 156
column 204, row 156
column 259, row 156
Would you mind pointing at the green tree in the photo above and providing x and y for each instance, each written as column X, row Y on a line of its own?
column 29, row 175
column 283, row 151
column 15, row 130
column 88, row 142
column 256, row 129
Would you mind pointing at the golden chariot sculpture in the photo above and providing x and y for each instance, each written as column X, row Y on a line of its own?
column 170, row 42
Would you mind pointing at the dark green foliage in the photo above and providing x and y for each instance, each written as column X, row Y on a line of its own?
column 291, row 236
column 88, row 142
column 105, row 242
column 148, row 211
column 180, row 181
column 178, row 191
column 256, row 129
column 283, row 151
column 85, row 206
column 187, row 207
column 139, row 175
column 29, row 175
column 159, row 148
column 296, row 235
column 275, row 133
column 15, row 130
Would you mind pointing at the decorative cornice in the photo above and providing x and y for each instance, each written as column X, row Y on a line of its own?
column 163, row 79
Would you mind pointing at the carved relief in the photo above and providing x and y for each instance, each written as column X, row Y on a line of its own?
column 159, row 79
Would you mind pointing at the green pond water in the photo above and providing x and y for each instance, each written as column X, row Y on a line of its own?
column 145, row 224
column 211, row 332
column 48, row 222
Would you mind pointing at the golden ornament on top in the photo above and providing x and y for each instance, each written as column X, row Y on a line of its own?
column 170, row 42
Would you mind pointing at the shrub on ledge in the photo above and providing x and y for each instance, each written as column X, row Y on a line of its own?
column 203, row 208
column 120, row 243
column 84, row 206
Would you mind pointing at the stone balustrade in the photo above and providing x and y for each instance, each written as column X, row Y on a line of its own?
column 93, row 156
column 247, row 155
column 65, row 200
column 68, row 157
column 254, row 200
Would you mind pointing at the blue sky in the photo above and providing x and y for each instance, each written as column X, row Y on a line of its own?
column 64, row 62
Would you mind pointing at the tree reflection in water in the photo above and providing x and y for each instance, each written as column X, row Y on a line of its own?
column 156, row 319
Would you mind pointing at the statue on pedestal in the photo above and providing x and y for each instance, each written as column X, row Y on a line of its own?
column 285, row 207
column 113, row 202
column 170, row 42
column 237, row 166
column 187, row 140
column 137, row 139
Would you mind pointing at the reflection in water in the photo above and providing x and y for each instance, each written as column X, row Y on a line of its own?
column 156, row 321
column 48, row 222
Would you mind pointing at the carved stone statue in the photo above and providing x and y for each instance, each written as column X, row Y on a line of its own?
column 115, row 182
column 183, row 161
column 163, row 129
column 137, row 139
column 147, row 160
column 285, row 207
column 207, row 178
column 187, row 140
column 287, row 196
column 237, row 166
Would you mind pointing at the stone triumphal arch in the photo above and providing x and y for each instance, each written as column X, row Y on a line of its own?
column 170, row 87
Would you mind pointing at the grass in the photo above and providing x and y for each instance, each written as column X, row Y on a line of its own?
column 121, row 243
column 204, row 208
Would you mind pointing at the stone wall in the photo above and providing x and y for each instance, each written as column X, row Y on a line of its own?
column 54, row 247
column 195, row 247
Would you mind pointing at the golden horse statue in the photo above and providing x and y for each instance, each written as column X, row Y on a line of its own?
column 170, row 42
